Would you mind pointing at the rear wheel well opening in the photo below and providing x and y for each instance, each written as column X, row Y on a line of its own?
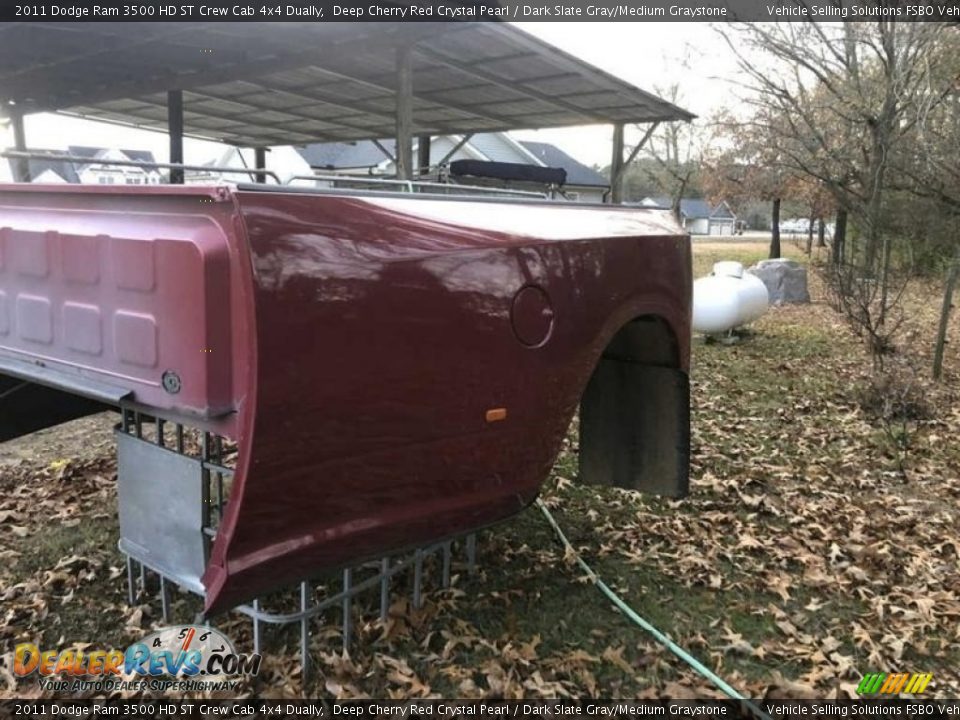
column 646, row 340
column 635, row 413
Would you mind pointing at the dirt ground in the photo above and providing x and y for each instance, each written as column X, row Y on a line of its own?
column 88, row 437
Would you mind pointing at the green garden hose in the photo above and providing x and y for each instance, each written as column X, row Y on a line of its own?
column 689, row 659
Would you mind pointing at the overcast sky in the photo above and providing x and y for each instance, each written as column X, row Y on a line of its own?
column 648, row 55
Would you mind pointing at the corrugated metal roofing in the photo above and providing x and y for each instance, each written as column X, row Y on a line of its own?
column 262, row 84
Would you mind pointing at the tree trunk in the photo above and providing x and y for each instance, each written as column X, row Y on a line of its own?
column 886, row 250
column 951, row 285
column 775, row 230
column 809, row 247
column 839, row 237
column 821, row 234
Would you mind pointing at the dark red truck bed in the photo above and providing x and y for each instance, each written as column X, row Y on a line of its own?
column 394, row 369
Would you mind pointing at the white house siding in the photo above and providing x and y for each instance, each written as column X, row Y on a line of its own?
column 721, row 227
column 586, row 195
column 697, row 226
column 440, row 146
column 285, row 161
column 496, row 147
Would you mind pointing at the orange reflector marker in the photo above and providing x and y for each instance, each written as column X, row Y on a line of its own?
column 496, row 414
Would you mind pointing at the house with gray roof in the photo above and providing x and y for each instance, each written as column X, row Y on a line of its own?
column 580, row 178
column 99, row 171
column 698, row 216
column 96, row 169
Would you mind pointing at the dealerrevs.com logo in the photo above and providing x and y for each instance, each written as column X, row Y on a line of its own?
column 181, row 658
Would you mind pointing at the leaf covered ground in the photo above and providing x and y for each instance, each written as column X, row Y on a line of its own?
column 802, row 558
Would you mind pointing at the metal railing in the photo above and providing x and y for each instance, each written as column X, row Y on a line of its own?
column 416, row 186
column 357, row 181
column 28, row 155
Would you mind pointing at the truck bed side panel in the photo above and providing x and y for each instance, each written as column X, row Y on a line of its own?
column 385, row 336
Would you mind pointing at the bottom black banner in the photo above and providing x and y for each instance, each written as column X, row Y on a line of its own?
column 412, row 709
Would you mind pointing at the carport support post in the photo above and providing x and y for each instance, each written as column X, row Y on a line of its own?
column 175, row 131
column 423, row 154
column 616, row 165
column 404, row 113
column 260, row 162
column 21, row 166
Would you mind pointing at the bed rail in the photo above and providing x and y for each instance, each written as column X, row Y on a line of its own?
column 30, row 155
column 415, row 186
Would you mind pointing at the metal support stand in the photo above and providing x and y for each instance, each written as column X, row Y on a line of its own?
column 404, row 116
column 131, row 596
column 472, row 553
column 21, row 166
column 384, row 589
column 447, row 556
column 417, row 579
column 212, row 455
column 347, row 620
column 164, row 599
column 175, row 132
column 305, row 599
column 256, row 626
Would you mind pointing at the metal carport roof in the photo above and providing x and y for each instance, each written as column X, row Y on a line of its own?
column 263, row 84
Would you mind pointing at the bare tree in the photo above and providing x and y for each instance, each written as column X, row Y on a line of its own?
column 932, row 171
column 750, row 167
column 844, row 101
column 676, row 151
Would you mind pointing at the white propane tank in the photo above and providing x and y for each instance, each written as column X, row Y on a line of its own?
column 728, row 298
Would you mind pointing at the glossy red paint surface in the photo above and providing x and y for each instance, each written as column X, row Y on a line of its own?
column 384, row 336
column 369, row 337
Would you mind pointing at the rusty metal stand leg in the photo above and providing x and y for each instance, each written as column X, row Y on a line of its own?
column 418, row 579
column 384, row 589
column 472, row 552
column 305, row 590
column 347, row 620
column 164, row 599
column 256, row 626
column 446, row 564
column 131, row 596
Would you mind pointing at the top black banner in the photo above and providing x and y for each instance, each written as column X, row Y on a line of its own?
column 492, row 11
